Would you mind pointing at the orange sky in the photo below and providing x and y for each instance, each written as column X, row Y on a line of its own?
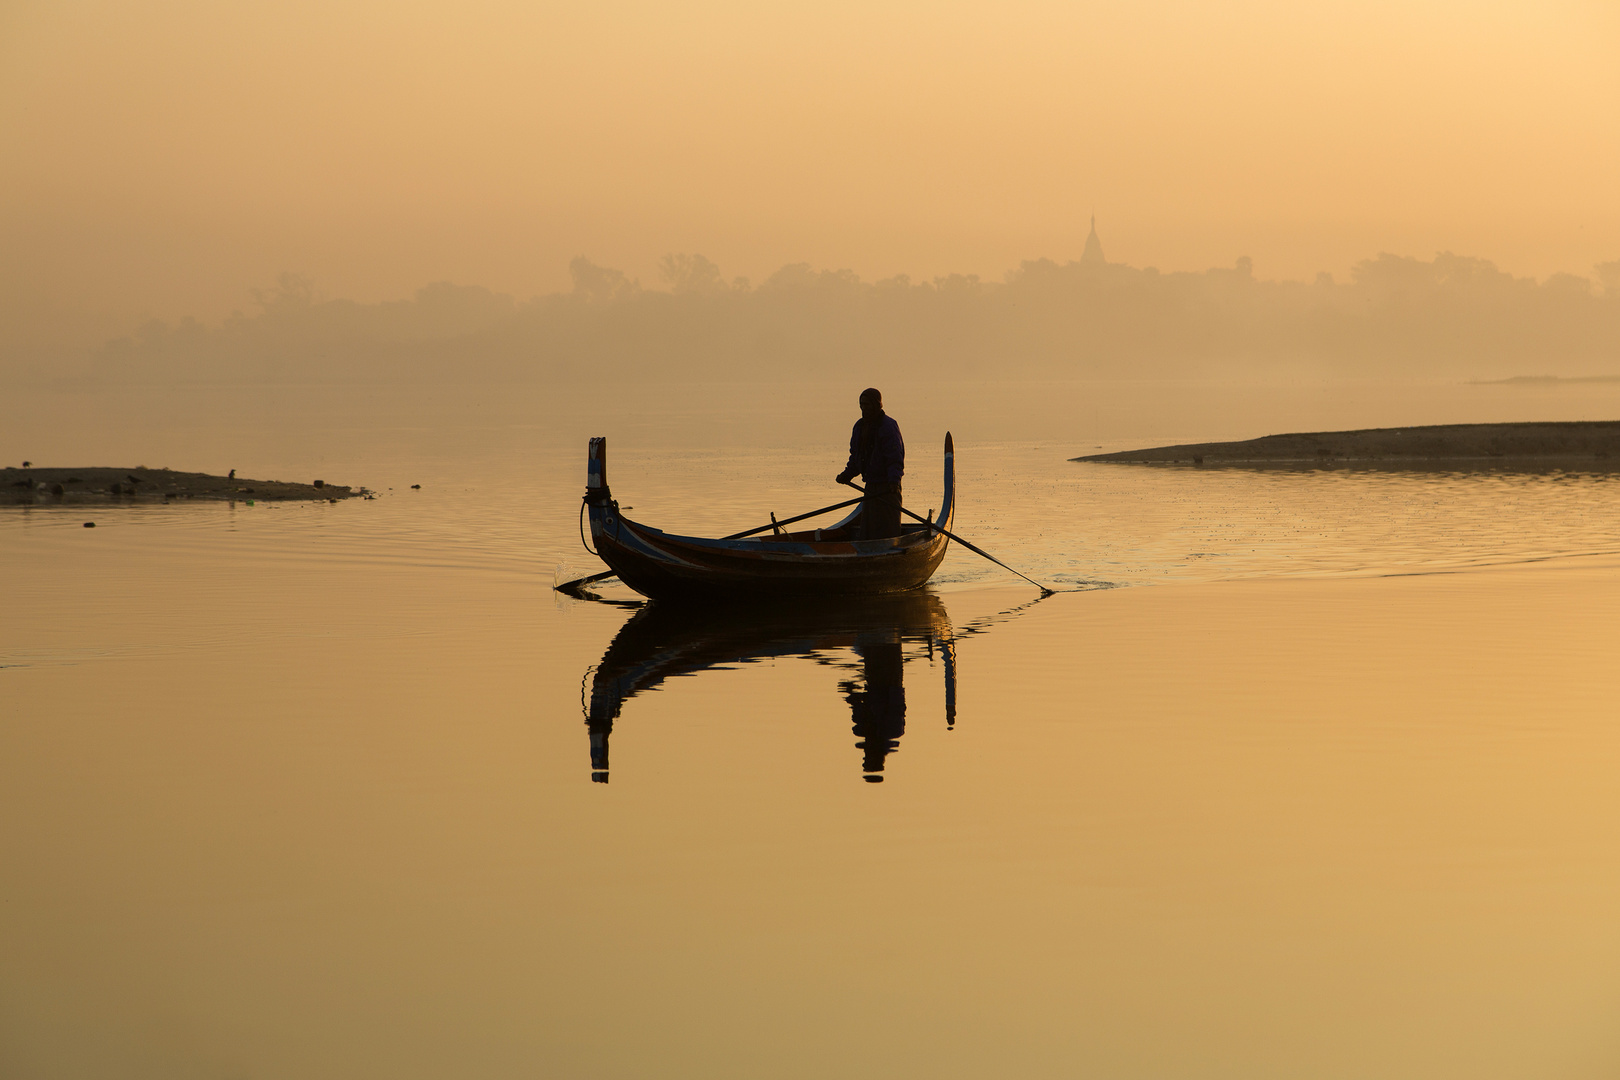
column 168, row 157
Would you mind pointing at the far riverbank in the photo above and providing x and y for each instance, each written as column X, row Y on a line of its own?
column 1504, row 444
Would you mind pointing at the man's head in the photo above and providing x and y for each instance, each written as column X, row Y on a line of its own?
column 871, row 402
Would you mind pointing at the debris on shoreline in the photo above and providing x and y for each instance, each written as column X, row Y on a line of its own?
column 34, row 486
column 1592, row 443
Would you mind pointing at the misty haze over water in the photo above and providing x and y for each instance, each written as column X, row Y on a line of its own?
column 1449, row 317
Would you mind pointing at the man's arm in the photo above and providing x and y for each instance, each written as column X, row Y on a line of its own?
column 852, row 468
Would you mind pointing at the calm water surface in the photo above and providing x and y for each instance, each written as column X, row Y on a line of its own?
column 347, row 790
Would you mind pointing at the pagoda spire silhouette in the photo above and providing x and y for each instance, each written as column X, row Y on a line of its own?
column 1093, row 255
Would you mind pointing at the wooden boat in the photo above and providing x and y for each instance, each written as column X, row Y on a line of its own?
column 828, row 561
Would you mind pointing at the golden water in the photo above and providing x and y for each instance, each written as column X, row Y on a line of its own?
column 306, row 791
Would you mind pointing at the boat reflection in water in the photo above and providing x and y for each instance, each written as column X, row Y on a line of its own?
column 663, row 641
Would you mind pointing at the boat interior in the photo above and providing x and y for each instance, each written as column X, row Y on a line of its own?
column 843, row 531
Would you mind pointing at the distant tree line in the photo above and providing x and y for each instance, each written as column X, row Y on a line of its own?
column 1452, row 315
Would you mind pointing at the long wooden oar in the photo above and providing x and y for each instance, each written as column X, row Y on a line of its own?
column 571, row 586
column 977, row 551
column 791, row 520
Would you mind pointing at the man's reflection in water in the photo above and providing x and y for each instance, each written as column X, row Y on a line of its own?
column 879, row 707
column 661, row 642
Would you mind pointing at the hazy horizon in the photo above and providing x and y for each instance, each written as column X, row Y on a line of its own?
column 1453, row 316
column 165, row 161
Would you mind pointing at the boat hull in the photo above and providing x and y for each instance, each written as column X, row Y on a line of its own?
column 665, row 566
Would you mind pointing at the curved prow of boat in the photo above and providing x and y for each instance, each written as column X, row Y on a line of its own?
column 831, row 560
column 596, row 485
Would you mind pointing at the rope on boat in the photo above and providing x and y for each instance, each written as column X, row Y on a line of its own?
column 583, row 542
column 570, row 588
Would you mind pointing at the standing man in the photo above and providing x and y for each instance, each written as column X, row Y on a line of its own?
column 877, row 453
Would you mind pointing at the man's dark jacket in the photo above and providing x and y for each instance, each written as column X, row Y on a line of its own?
column 884, row 460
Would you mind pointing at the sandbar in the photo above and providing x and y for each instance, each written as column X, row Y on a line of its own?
column 33, row 486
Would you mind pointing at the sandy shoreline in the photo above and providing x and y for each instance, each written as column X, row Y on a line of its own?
column 33, row 486
column 1594, row 443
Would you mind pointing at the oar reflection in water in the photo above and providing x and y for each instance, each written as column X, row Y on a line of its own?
column 660, row 642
